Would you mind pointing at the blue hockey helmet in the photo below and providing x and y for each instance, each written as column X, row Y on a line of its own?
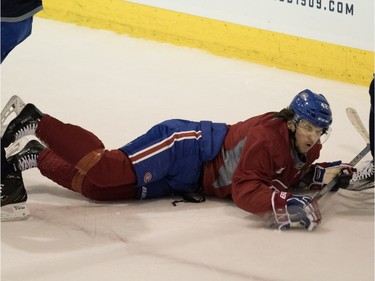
column 313, row 108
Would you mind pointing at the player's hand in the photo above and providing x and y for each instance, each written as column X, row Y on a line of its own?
column 295, row 211
column 322, row 173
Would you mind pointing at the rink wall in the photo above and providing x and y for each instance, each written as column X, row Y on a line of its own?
column 289, row 52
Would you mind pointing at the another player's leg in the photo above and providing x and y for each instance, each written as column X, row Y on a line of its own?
column 12, row 34
column 371, row 121
column 13, row 192
column 364, row 178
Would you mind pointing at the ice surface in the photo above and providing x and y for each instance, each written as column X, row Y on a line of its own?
column 118, row 87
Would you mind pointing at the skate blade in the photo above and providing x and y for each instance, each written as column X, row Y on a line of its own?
column 14, row 212
column 13, row 107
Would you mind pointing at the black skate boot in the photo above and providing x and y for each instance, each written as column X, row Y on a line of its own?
column 363, row 179
column 13, row 198
column 24, row 124
column 26, row 158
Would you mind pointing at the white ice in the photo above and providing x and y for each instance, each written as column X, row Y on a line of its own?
column 118, row 87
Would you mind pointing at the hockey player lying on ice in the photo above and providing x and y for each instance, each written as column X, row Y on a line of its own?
column 256, row 162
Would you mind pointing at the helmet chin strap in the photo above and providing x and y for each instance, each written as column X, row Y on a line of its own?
column 292, row 130
column 299, row 158
column 292, row 134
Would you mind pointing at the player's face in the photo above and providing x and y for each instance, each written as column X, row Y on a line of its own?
column 306, row 136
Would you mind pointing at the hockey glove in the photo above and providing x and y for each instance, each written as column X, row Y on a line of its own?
column 295, row 211
column 322, row 173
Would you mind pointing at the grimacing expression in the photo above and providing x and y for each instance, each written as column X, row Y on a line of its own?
column 306, row 135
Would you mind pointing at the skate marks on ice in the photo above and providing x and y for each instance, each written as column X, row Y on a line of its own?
column 347, row 204
column 127, row 232
column 355, row 201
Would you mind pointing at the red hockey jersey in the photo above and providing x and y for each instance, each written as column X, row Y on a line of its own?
column 257, row 156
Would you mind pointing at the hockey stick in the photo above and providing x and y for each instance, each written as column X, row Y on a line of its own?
column 334, row 181
column 357, row 123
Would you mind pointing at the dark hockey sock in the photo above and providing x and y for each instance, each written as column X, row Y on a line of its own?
column 61, row 172
column 85, row 152
column 56, row 169
column 68, row 141
column 110, row 193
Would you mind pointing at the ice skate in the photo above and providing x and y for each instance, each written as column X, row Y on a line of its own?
column 363, row 179
column 24, row 124
column 13, row 198
column 27, row 157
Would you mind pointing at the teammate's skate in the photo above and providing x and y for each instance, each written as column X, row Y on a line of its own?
column 27, row 157
column 13, row 198
column 363, row 179
column 24, row 124
column 13, row 192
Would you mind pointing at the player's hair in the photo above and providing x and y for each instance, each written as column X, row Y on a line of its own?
column 286, row 114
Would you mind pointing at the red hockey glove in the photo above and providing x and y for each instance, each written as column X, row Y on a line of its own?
column 295, row 211
column 322, row 173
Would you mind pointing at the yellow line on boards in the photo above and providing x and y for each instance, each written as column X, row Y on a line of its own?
column 221, row 38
